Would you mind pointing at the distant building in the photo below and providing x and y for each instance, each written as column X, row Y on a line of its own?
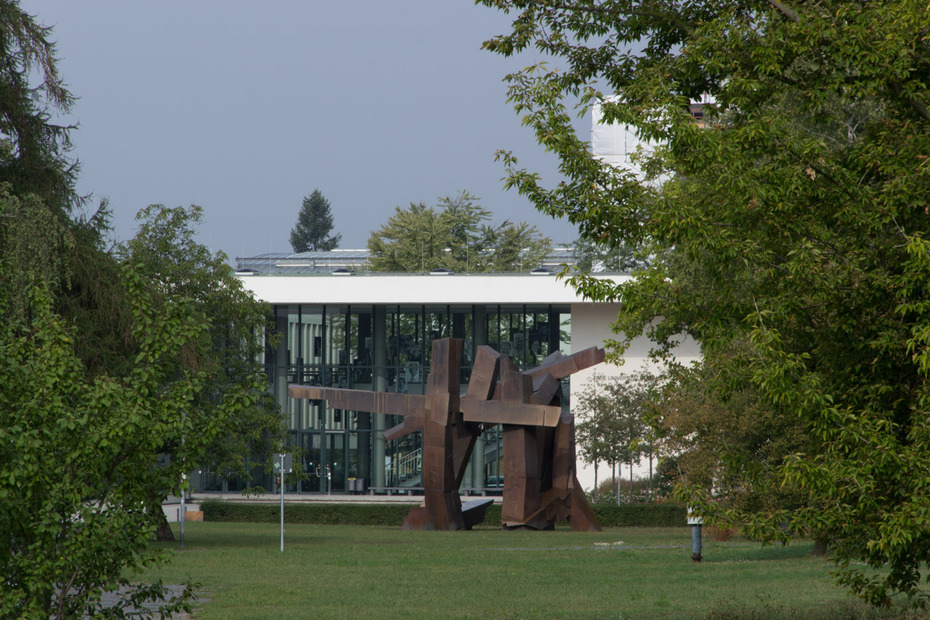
column 304, row 262
column 354, row 260
column 619, row 146
column 373, row 331
column 340, row 325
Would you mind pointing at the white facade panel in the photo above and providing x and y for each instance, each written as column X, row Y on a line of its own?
column 591, row 327
column 413, row 289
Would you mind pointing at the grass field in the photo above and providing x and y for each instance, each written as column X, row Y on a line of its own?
column 383, row 572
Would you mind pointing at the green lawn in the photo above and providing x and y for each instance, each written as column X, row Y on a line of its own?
column 383, row 572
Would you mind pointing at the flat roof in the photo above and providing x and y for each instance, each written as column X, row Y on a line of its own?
column 384, row 288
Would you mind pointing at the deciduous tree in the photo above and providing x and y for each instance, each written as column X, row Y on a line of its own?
column 724, row 438
column 454, row 235
column 793, row 220
column 165, row 252
column 611, row 423
column 79, row 455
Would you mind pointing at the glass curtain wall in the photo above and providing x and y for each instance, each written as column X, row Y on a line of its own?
column 387, row 348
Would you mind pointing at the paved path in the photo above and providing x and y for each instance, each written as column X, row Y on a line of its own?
column 111, row 598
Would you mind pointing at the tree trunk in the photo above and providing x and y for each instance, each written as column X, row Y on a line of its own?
column 163, row 532
column 820, row 547
column 631, row 481
column 649, row 483
column 595, row 481
column 616, row 472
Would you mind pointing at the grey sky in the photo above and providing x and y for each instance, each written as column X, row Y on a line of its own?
column 244, row 108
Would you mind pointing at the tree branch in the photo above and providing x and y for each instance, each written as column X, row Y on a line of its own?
column 785, row 10
column 667, row 17
column 916, row 105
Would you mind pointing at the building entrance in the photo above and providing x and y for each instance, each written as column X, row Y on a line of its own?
column 325, row 454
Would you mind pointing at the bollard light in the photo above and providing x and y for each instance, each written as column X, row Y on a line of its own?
column 695, row 522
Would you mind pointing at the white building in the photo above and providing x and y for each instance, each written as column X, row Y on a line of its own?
column 373, row 332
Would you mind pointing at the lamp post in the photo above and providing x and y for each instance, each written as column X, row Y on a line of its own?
column 183, row 478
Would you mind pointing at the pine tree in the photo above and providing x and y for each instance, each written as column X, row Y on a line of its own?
column 314, row 223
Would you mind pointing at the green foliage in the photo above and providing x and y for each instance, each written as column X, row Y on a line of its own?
column 34, row 240
column 454, row 235
column 654, row 514
column 84, row 467
column 93, row 299
column 725, row 436
column 608, row 514
column 790, row 225
column 118, row 372
column 320, row 514
column 314, row 223
column 33, row 150
column 78, row 456
column 610, row 425
column 243, row 419
column 597, row 256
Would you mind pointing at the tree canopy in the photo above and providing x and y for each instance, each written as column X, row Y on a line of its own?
column 245, row 424
column 454, row 234
column 314, row 223
column 791, row 221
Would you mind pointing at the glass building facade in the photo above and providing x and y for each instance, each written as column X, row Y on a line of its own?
column 385, row 348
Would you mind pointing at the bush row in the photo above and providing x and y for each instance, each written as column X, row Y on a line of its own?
column 319, row 514
column 665, row 514
column 609, row 515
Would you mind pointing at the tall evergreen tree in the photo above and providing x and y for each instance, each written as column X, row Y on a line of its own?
column 314, row 223
column 33, row 149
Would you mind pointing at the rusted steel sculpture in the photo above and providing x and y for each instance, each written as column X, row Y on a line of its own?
column 540, row 482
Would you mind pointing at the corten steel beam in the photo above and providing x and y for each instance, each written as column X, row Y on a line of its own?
column 550, row 492
column 442, row 506
column 547, row 390
column 540, row 484
column 465, row 432
column 522, row 485
column 410, row 424
column 484, row 373
column 560, row 366
column 361, row 400
column 500, row 412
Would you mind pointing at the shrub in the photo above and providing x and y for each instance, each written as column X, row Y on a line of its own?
column 719, row 534
column 665, row 514
column 609, row 515
column 606, row 491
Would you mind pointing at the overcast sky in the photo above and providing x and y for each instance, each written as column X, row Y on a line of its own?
column 244, row 108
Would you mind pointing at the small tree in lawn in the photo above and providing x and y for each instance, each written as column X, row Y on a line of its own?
column 611, row 427
column 314, row 223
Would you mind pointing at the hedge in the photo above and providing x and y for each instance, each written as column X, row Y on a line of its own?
column 665, row 514
column 609, row 515
column 319, row 514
